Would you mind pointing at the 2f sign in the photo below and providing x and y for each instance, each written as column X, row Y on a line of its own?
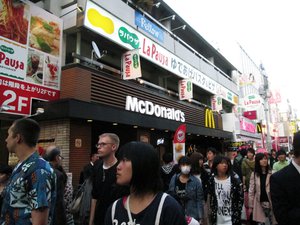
column 18, row 104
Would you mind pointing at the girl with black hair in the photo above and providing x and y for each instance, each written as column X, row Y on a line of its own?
column 225, row 194
column 139, row 168
column 259, row 191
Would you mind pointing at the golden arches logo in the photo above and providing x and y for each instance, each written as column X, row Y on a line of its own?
column 209, row 119
column 258, row 127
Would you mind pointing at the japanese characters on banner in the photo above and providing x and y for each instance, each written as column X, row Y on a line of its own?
column 185, row 89
column 131, row 65
column 179, row 143
column 30, row 55
column 107, row 25
column 216, row 103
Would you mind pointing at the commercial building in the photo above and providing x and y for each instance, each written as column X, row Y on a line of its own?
column 89, row 96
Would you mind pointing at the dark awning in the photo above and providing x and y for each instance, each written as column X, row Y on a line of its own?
column 72, row 108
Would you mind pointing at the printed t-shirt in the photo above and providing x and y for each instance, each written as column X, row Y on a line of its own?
column 222, row 189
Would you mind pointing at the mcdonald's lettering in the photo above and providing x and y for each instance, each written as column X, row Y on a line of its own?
column 258, row 127
column 209, row 119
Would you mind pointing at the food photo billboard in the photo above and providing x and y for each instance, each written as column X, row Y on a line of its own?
column 30, row 55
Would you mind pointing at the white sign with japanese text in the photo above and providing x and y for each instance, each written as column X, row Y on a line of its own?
column 107, row 25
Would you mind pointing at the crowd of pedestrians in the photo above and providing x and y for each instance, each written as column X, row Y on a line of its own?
column 130, row 186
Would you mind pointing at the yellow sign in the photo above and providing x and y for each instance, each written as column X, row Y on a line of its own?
column 209, row 119
column 258, row 127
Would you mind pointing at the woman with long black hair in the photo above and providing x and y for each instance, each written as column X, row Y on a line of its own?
column 259, row 191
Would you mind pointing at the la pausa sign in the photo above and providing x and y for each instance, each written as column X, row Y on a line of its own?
column 149, row 108
column 252, row 100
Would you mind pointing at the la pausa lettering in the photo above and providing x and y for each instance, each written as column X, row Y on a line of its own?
column 252, row 102
column 11, row 62
column 152, row 51
column 128, row 63
column 116, row 222
column 182, row 87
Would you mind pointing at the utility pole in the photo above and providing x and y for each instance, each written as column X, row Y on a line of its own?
column 264, row 93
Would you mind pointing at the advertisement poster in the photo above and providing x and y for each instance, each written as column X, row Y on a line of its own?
column 216, row 103
column 179, row 143
column 131, row 65
column 30, row 52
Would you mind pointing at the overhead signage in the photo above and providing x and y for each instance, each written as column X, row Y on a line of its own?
column 247, row 125
column 216, row 103
column 149, row 108
column 185, row 89
column 149, row 27
column 252, row 100
column 107, row 25
column 30, row 55
column 209, row 118
column 131, row 65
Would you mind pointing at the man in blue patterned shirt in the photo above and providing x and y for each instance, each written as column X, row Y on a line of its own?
column 30, row 193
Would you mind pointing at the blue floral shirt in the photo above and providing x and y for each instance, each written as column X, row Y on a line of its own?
column 31, row 186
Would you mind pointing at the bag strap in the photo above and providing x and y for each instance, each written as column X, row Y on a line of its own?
column 113, row 210
column 161, row 203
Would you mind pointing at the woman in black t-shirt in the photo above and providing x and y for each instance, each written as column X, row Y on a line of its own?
column 146, row 205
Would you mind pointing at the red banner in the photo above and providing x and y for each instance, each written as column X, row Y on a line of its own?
column 250, row 115
column 179, row 142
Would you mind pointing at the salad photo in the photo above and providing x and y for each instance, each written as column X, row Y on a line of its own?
column 44, row 35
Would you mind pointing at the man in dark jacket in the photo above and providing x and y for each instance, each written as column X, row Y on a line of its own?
column 53, row 156
column 168, row 169
column 88, row 169
column 285, row 185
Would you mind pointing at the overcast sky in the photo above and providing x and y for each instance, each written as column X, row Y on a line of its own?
column 267, row 29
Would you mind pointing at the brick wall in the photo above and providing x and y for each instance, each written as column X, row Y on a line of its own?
column 64, row 133
column 59, row 131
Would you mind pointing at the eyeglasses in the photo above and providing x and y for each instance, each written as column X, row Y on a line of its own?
column 102, row 144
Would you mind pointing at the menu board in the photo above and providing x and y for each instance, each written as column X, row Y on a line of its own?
column 30, row 54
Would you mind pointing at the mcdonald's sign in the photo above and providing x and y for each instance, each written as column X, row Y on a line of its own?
column 258, row 128
column 209, row 118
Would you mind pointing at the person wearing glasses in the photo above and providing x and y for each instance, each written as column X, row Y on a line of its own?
column 105, row 190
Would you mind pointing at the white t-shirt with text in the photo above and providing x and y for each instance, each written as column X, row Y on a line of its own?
column 222, row 189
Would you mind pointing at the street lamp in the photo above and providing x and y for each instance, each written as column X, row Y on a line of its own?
column 264, row 93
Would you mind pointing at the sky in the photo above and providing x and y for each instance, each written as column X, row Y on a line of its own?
column 268, row 30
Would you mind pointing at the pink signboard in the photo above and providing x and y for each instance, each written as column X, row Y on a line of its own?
column 247, row 126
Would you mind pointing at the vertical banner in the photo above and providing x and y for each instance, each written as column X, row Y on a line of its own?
column 216, row 103
column 179, row 143
column 131, row 65
column 185, row 89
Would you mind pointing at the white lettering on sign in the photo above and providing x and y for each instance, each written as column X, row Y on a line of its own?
column 149, row 108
